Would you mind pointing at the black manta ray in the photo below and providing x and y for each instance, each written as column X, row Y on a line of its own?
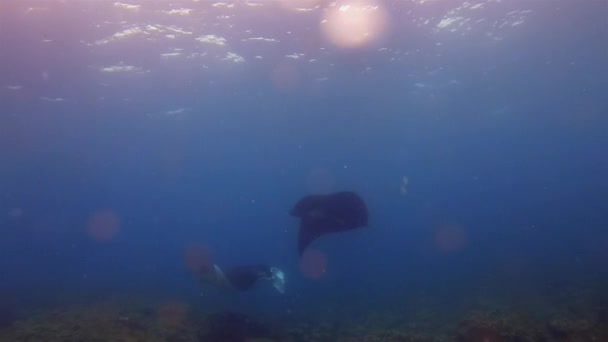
column 324, row 214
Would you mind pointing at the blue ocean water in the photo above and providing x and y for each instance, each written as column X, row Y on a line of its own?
column 131, row 133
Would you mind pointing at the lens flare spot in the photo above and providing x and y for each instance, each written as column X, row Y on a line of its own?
column 103, row 225
column 450, row 238
column 198, row 258
column 355, row 23
column 313, row 264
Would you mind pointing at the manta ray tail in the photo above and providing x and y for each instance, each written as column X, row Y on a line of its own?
column 306, row 236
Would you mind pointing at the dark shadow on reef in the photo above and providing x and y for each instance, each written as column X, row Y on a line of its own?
column 235, row 327
column 8, row 313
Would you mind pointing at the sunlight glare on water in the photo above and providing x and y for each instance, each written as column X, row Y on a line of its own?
column 299, row 5
column 354, row 24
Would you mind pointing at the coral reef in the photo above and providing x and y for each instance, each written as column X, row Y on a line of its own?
column 94, row 323
column 565, row 329
column 499, row 327
column 512, row 327
column 175, row 321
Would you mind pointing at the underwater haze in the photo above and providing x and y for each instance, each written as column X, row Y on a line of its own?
column 138, row 138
